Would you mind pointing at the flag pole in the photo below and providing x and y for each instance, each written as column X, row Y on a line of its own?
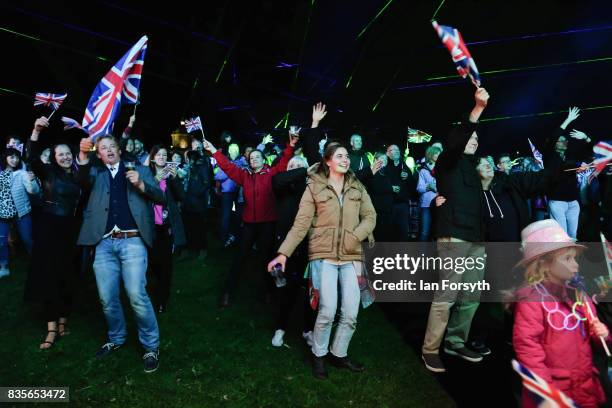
column 202, row 130
column 49, row 118
column 605, row 249
column 603, row 341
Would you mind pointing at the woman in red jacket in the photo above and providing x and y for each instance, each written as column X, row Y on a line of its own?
column 553, row 331
column 259, row 213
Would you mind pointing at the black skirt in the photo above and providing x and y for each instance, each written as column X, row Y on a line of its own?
column 52, row 275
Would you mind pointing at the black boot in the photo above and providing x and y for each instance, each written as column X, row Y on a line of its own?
column 318, row 368
column 344, row 362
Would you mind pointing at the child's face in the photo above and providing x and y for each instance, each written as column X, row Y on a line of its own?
column 564, row 265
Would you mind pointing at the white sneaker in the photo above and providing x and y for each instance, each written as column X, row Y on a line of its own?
column 277, row 340
column 4, row 271
column 308, row 337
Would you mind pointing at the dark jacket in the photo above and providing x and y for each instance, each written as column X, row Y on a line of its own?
column 381, row 191
column 288, row 188
column 407, row 187
column 565, row 186
column 199, row 184
column 61, row 191
column 95, row 215
column 175, row 194
column 457, row 180
column 520, row 187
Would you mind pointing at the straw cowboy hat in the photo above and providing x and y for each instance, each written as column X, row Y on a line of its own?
column 542, row 237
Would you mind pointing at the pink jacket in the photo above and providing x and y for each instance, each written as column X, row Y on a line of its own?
column 561, row 357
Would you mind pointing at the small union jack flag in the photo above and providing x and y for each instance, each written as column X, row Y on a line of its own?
column 417, row 136
column 70, row 123
column 123, row 80
column 542, row 392
column 536, row 154
column 451, row 38
column 607, row 247
column 49, row 99
column 193, row 124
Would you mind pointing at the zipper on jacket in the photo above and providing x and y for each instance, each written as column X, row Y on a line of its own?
column 340, row 225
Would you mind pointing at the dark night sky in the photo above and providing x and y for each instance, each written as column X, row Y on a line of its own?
column 254, row 91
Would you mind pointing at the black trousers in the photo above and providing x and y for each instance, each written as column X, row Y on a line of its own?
column 261, row 233
column 195, row 230
column 160, row 265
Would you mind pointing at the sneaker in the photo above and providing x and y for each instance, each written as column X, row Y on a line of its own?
column 464, row 353
column 308, row 336
column 433, row 362
column 107, row 349
column 4, row 272
column 277, row 340
column 480, row 348
column 151, row 361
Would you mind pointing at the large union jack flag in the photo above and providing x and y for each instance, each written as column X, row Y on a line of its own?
column 451, row 38
column 49, row 99
column 122, row 80
column 542, row 392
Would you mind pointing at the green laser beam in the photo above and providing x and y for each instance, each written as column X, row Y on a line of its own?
column 498, row 71
column 538, row 114
column 397, row 71
column 221, row 70
column 15, row 92
column 374, row 19
column 286, row 119
column 438, row 9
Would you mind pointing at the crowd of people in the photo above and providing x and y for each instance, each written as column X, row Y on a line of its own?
column 308, row 204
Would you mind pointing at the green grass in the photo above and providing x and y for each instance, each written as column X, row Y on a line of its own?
column 208, row 357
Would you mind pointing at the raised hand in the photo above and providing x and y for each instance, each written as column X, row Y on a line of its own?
column 209, row 147
column 267, row 139
column 572, row 115
column 293, row 139
column 481, row 97
column 577, row 134
column 318, row 113
column 39, row 125
column 376, row 166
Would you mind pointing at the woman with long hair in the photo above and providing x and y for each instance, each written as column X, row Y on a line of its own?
column 169, row 231
column 52, row 275
column 337, row 214
column 15, row 185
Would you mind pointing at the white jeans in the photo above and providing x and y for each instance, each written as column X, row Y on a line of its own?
column 566, row 213
column 328, row 301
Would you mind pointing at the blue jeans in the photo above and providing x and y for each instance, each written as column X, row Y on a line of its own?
column 24, row 226
column 566, row 213
column 425, row 224
column 328, row 302
column 125, row 259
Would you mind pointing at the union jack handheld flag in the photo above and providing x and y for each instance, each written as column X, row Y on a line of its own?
column 536, row 154
column 541, row 391
column 418, row 136
column 70, row 123
column 603, row 154
column 122, row 80
column 49, row 99
column 451, row 38
column 193, row 124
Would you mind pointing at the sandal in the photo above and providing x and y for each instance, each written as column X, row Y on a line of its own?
column 62, row 328
column 50, row 343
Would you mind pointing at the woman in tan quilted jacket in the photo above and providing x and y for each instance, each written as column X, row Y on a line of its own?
column 337, row 214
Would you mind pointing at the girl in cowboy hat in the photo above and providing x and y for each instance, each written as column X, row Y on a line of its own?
column 553, row 328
